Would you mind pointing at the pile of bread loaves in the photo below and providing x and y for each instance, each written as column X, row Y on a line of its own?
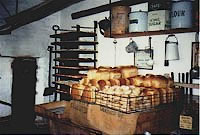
column 123, row 89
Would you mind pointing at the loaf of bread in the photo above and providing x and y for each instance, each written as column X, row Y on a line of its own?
column 94, row 82
column 89, row 94
column 91, row 74
column 128, row 71
column 84, row 81
column 114, row 82
column 104, row 68
column 103, row 83
column 124, row 81
column 147, row 82
column 159, row 81
column 102, row 75
column 77, row 91
column 137, row 80
column 170, row 83
column 115, row 74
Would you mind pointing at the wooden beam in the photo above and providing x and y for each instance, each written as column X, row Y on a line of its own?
column 104, row 8
column 36, row 13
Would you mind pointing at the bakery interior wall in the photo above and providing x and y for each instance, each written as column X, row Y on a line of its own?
column 29, row 40
column 106, row 47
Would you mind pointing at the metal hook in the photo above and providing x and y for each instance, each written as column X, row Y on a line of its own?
column 115, row 41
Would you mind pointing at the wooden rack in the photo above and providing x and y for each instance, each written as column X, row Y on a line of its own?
column 67, row 58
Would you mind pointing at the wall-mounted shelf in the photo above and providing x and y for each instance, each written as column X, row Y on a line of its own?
column 74, row 34
column 150, row 33
column 76, row 59
column 82, row 68
column 75, row 42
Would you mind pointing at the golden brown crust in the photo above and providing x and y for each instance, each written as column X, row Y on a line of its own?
column 147, row 82
column 138, row 80
column 115, row 74
column 103, row 83
column 124, row 81
column 114, row 82
column 84, row 81
column 91, row 74
column 94, row 82
column 128, row 71
column 170, row 83
column 159, row 82
column 104, row 68
column 102, row 75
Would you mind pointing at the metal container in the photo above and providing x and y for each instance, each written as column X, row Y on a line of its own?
column 181, row 15
column 120, row 20
column 138, row 21
column 158, row 20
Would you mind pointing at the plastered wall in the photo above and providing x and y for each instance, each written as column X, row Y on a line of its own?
column 29, row 40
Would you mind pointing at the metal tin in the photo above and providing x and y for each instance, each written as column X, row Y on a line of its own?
column 138, row 21
column 120, row 21
column 158, row 20
column 181, row 14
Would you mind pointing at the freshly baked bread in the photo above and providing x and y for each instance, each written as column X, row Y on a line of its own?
column 103, row 83
column 147, row 80
column 137, row 80
column 128, row 71
column 89, row 94
column 94, row 82
column 170, row 83
column 114, row 82
column 159, row 81
column 77, row 91
column 124, row 81
column 84, row 81
column 104, row 68
column 91, row 74
column 102, row 75
column 115, row 74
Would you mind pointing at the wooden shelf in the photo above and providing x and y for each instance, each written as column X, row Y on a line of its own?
column 77, row 60
column 74, row 34
column 150, row 33
column 66, row 83
column 81, row 68
column 75, row 42
column 79, row 76
column 81, row 51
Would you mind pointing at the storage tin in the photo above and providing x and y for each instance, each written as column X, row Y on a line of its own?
column 120, row 20
column 138, row 21
column 158, row 20
column 181, row 14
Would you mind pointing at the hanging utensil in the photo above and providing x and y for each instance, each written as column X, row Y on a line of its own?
column 49, row 90
column 131, row 47
column 171, row 50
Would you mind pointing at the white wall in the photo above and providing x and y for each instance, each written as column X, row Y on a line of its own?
column 29, row 40
column 106, row 48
